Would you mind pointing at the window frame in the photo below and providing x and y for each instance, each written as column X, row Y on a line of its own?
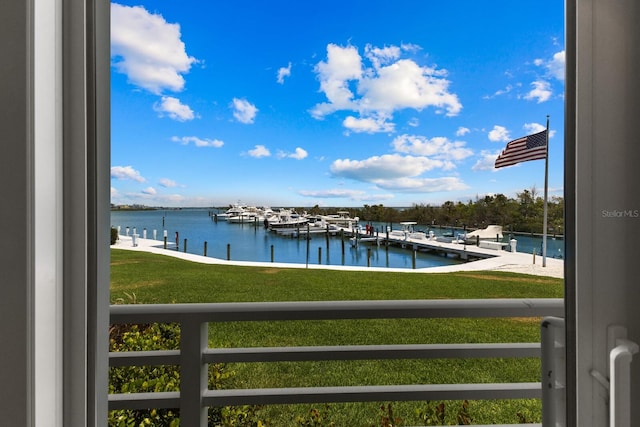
column 81, row 273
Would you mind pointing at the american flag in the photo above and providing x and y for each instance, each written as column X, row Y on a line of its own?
column 531, row 147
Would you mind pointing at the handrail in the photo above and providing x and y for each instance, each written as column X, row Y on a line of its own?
column 194, row 354
column 333, row 310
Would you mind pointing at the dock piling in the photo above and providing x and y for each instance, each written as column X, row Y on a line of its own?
column 327, row 236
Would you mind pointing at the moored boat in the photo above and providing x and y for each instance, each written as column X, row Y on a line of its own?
column 286, row 218
column 340, row 219
column 491, row 232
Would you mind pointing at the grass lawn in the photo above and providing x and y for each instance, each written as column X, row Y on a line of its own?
column 163, row 279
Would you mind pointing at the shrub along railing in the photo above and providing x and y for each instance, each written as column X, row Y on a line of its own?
column 194, row 355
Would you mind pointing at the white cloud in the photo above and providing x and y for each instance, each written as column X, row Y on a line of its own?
column 336, row 192
column 537, row 127
column 173, row 108
column 414, row 122
column 533, row 128
column 556, row 66
column 368, row 124
column 343, row 64
column 462, row 131
column 381, row 56
column 356, row 195
column 438, row 147
column 284, row 72
column 541, row 91
column 126, row 172
column 299, row 154
column 404, row 84
column 388, row 84
column 388, row 166
column 244, row 111
column 148, row 49
column 499, row 134
column 259, row 151
column 152, row 198
column 501, row 92
column 149, row 191
column 198, row 142
column 486, row 161
column 422, row 185
column 167, row 183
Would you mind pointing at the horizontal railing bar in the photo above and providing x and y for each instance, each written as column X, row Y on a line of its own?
column 167, row 399
column 144, row 358
column 275, row 396
column 297, row 395
column 371, row 352
column 331, row 310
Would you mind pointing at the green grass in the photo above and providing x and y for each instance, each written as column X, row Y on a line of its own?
column 163, row 279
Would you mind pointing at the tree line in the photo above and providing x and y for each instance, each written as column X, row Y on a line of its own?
column 524, row 213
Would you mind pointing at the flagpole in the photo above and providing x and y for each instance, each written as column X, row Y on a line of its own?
column 546, row 189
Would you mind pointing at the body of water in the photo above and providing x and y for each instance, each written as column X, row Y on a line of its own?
column 250, row 243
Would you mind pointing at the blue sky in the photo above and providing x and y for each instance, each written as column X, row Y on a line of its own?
column 335, row 103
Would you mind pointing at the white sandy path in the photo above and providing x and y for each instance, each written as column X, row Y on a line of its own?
column 506, row 261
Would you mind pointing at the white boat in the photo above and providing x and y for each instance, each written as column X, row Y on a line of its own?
column 233, row 211
column 249, row 214
column 340, row 219
column 286, row 218
column 491, row 232
column 407, row 232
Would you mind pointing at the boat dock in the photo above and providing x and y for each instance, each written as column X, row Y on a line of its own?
column 304, row 231
column 420, row 243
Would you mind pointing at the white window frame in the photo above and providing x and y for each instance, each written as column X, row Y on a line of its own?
column 54, row 172
column 54, row 168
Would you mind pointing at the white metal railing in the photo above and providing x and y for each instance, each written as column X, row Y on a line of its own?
column 194, row 354
column 552, row 339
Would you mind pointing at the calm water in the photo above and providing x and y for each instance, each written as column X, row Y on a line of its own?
column 249, row 243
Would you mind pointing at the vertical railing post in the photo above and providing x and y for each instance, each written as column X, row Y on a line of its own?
column 193, row 372
column 552, row 341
